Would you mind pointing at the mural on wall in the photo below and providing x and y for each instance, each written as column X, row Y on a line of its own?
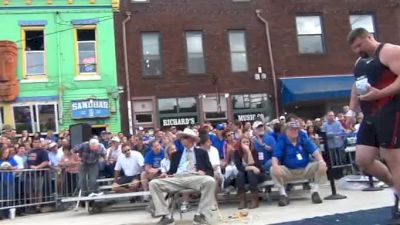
column 8, row 71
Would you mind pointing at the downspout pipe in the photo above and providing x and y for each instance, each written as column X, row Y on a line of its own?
column 60, row 76
column 127, row 80
column 271, row 59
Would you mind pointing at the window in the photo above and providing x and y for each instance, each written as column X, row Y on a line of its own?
column 86, row 50
column 152, row 64
column 143, row 111
column 214, row 108
column 309, row 34
column 237, row 43
column 34, row 51
column 194, row 45
column 36, row 117
column 250, row 101
column 1, row 117
column 177, row 105
column 363, row 20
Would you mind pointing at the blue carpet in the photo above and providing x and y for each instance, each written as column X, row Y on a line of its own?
column 378, row 216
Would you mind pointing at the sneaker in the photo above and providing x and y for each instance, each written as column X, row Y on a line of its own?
column 283, row 201
column 200, row 220
column 315, row 198
column 166, row 221
column 184, row 207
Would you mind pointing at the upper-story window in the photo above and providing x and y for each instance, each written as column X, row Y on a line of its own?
column 238, row 51
column 152, row 64
column 195, row 55
column 309, row 35
column 34, row 52
column 86, row 50
column 363, row 20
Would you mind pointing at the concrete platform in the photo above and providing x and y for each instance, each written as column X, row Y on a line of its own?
column 300, row 207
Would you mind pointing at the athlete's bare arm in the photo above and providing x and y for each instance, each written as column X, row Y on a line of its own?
column 390, row 55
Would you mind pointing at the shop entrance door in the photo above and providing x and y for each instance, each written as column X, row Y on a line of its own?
column 97, row 129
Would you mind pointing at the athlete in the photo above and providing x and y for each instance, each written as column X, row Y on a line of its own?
column 376, row 93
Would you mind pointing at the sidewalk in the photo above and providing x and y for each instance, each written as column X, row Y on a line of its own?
column 300, row 207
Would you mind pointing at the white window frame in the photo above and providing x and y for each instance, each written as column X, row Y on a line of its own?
column 78, row 72
column 189, row 53
column 27, row 75
column 36, row 125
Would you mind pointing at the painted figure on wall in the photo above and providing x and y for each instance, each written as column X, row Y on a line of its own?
column 8, row 71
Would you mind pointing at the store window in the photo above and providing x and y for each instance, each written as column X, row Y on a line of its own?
column 36, row 117
column 177, row 105
column 143, row 111
column 249, row 101
column 214, row 108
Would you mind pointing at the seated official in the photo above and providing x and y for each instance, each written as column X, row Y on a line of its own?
column 131, row 162
column 250, row 172
column 291, row 161
column 152, row 164
column 189, row 169
column 264, row 144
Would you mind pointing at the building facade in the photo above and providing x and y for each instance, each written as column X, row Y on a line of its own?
column 196, row 61
column 66, row 65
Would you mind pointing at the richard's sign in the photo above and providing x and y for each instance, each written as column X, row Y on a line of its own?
column 90, row 108
column 165, row 122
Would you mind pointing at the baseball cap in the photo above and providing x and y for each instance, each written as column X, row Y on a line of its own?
column 93, row 141
column 141, row 128
column 115, row 139
column 52, row 145
column 293, row 125
column 282, row 118
column 257, row 124
column 219, row 126
column 103, row 132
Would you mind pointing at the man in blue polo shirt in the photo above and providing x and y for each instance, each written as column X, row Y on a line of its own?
column 264, row 144
column 291, row 161
column 152, row 164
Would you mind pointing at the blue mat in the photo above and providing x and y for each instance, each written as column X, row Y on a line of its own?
column 378, row 216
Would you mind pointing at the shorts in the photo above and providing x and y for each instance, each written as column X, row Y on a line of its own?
column 381, row 131
column 128, row 179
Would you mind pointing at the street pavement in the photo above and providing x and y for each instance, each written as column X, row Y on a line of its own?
column 268, row 213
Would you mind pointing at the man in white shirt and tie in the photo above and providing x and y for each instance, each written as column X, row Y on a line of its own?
column 190, row 169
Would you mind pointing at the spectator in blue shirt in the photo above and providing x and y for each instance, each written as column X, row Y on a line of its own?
column 7, row 187
column 291, row 161
column 264, row 144
column 152, row 164
column 334, row 130
column 217, row 140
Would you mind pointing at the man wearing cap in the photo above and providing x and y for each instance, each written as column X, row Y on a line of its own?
column 54, row 155
column 264, row 144
column 291, row 161
column 113, row 152
column 90, row 152
column 105, row 138
column 189, row 169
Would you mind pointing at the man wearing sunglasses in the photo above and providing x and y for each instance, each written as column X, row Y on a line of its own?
column 131, row 162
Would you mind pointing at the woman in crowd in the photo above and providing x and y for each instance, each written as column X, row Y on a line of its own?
column 314, row 136
column 24, row 138
column 70, row 162
column 250, row 172
column 7, row 187
column 227, row 163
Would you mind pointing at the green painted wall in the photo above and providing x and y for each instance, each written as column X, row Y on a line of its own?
column 60, row 53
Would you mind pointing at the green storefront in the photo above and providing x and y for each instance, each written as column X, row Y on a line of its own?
column 66, row 64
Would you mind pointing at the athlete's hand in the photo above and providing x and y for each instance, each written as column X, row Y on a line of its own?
column 372, row 94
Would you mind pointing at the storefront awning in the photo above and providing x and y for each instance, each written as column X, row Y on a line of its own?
column 315, row 88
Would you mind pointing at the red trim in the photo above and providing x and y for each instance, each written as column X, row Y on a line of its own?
column 396, row 130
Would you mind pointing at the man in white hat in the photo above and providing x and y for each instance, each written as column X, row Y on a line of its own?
column 113, row 152
column 189, row 169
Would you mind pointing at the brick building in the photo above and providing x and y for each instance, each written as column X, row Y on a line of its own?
column 181, row 55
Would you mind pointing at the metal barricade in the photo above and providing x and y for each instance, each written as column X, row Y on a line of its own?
column 34, row 188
